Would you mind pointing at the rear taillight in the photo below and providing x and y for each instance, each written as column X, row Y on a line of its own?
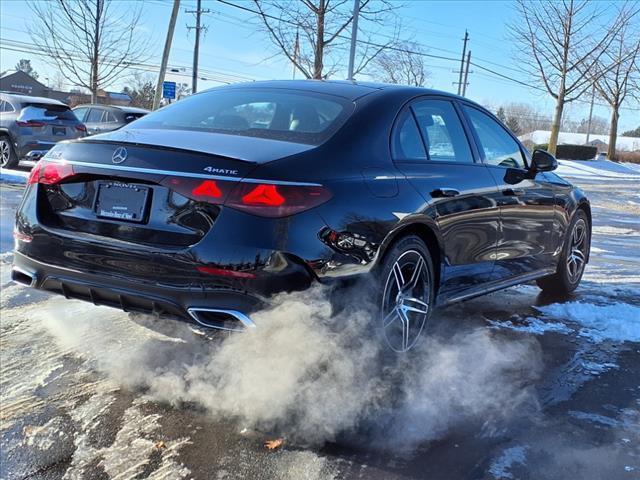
column 49, row 173
column 30, row 123
column 269, row 200
column 264, row 199
column 81, row 128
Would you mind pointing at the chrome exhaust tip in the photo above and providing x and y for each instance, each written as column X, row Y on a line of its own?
column 24, row 277
column 221, row 319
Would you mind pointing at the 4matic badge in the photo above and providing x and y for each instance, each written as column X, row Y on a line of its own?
column 223, row 171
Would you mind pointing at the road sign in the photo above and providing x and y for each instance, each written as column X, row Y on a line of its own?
column 169, row 90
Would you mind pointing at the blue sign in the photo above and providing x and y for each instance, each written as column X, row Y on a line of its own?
column 169, row 90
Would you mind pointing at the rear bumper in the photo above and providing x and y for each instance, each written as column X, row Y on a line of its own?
column 222, row 308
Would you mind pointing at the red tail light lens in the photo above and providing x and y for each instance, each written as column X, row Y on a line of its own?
column 50, row 173
column 35, row 173
column 263, row 199
column 30, row 123
column 273, row 200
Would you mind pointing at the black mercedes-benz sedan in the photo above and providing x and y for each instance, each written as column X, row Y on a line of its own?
column 205, row 209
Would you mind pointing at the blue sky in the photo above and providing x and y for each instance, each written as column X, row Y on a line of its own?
column 235, row 49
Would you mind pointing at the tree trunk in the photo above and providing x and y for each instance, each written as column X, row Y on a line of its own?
column 613, row 132
column 319, row 53
column 555, row 126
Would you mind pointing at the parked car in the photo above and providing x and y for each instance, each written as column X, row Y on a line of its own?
column 205, row 209
column 29, row 126
column 106, row 118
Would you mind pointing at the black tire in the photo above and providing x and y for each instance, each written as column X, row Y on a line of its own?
column 398, row 305
column 8, row 157
column 566, row 279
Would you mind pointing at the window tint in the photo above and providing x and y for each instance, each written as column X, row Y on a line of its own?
column 294, row 116
column 95, row 116
column 442, row 131
column 130, row 117
column 80, row 112
column 407, row 144
column 498, row 146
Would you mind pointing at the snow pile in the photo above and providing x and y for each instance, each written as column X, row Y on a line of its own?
column 618, row 322
column 13, row 176
column 596, row 169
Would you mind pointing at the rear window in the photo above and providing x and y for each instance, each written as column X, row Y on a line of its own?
column 292, row 116
column 44, row 112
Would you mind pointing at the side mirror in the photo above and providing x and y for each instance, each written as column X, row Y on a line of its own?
column 542, row 161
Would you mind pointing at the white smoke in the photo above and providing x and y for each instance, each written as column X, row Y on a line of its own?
column 309, row 373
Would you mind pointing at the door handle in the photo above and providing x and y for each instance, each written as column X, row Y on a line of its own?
column 513, row 192
column 445, row 193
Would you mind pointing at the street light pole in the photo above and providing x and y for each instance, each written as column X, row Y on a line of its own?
column 354, row 37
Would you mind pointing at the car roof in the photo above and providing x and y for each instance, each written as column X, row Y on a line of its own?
column 351, row 90
column 29, row 99
column 115, row 107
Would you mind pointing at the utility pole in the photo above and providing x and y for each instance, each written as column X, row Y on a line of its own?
column 354, row 37
column 464, row 52
column 593, row 97
column 165, row 54
column 466, row 75
column 296, row 53
column 196, row 47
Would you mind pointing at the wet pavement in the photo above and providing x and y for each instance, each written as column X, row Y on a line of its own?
column 513, row 385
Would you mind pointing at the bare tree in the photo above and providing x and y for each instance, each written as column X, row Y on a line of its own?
column 403, row 64
column 619, row 71
column 526, row 117
column 90, row 43
column 142, row 90
column 312, row 34
column 564, row 42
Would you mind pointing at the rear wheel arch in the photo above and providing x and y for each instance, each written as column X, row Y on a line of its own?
column 428, row 235
column 586, row 208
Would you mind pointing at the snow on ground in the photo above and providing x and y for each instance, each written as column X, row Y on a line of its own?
column 532, row 325
column 618, row 322
column 500, row 468
column 13, row 176
column 596, row 169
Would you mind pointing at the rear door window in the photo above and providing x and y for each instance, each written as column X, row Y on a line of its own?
column 6, row 107
column 290, row 115
column 95, row 115
column 442, row 131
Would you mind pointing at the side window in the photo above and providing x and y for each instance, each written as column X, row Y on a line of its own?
column 6, row 107
column 442, row 131
column 95, row 116
column 109, row 117
column 80, row 113
column 407, row 144
column 498, row 146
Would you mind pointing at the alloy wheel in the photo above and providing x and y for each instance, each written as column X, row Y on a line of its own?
column 5, row 151
column 406, row 301
column 577, row 254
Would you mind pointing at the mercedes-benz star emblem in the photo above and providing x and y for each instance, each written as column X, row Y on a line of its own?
column 119, row 155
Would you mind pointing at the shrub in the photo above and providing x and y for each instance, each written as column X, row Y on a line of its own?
column 576, row 152
column 631, row 157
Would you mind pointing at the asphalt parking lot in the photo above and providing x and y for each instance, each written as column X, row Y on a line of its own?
column 513, row 385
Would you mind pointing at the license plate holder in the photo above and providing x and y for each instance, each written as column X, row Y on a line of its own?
column 62, row 131
column 121, row 201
